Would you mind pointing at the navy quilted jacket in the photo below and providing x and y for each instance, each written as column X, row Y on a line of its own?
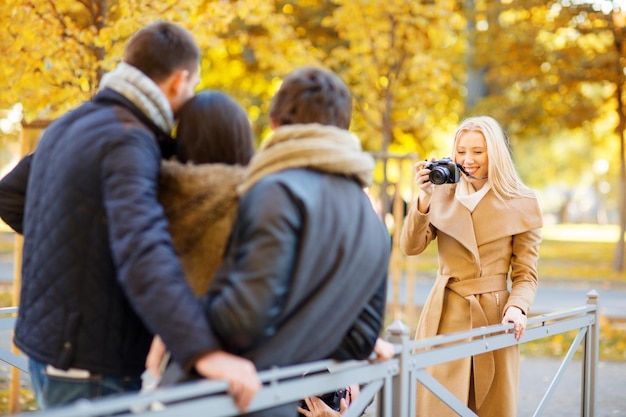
column 100, row 275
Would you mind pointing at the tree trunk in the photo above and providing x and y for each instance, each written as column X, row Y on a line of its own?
column 618, row 263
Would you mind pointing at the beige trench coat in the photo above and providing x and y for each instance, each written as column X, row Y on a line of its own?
column 478, row 251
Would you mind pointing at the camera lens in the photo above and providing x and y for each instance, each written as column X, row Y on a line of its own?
column 439, row 175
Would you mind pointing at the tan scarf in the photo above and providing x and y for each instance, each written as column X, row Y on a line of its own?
column 139, row 89
column 319, row 147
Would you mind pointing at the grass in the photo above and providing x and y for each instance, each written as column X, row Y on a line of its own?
column 26, row 399
column 580, row 252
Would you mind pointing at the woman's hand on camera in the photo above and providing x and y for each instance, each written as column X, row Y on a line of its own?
column 427, row 187
column 421, row 176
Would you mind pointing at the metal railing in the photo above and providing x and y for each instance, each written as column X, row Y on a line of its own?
column 8, row 316
column 391, row 384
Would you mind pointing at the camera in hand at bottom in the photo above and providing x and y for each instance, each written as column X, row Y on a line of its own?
column 331, row 399
column 444, row 171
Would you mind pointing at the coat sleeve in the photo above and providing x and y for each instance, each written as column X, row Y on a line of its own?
column 13, row 194
column 360, row 340
column 248, row 292
column 148, row 268
column 417, row 232
column 524, row 276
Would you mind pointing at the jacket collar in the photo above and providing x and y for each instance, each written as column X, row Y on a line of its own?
column 166, row 143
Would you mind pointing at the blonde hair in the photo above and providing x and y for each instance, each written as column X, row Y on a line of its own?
column 502, row 175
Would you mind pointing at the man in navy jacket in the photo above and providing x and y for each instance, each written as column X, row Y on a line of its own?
column 100, row 275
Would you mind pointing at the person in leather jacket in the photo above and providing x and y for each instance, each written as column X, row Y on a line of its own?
column 304, row 275
column 197, row 193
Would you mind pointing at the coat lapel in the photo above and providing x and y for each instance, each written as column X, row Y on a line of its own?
column 493, row 218
column 451, row 217
column 498, row 219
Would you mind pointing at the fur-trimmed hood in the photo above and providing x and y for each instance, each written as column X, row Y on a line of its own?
column 201, row 205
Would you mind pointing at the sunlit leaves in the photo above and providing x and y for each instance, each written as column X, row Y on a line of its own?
column 546, row 66
column 55, row 51
column 401, row 60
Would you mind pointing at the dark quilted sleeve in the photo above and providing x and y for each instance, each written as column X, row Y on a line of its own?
column 13, row 194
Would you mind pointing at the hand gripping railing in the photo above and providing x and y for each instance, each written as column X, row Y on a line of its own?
column 208, row 398
column 392, row 383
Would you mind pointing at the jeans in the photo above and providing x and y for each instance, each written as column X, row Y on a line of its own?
column 54, row 390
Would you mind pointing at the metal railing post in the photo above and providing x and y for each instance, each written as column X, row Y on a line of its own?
column 398, row 333
column 590, row 360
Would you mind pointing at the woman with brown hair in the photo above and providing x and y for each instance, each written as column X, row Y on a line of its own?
column 198, row 190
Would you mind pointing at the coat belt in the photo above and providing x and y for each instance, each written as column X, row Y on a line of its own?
column 483, row 364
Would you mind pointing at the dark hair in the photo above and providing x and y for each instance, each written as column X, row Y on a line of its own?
column 212, row 127
column 312, row 95
column 160, row 48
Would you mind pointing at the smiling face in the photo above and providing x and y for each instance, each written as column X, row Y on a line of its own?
column 471, row 153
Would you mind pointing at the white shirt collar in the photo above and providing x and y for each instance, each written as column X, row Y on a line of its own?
column 468, row 196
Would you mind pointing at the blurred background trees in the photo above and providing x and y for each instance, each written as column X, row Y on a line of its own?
column 551, row 71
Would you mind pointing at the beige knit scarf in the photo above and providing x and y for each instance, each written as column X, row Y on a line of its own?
column 139, row 89
column 319, row 147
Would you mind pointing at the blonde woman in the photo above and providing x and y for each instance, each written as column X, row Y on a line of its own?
column 487, row 226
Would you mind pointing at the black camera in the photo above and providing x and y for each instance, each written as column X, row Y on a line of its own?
column 444, row 171
column 332, row 399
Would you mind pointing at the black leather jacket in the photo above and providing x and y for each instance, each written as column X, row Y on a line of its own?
column 305, row 272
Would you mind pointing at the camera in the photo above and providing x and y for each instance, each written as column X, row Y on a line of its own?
column 332, row 399
column 444, row 171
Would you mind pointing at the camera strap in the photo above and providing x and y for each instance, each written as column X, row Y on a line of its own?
column 468, row 175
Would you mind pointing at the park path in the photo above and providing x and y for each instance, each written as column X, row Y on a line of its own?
column 536, row 373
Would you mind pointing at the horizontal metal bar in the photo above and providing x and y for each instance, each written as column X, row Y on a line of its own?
column 8, row 310
column 17, row 361
column 443, row 354
column 7, row 323
column 558, row 315
column 543, row 321
column 197, row 398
